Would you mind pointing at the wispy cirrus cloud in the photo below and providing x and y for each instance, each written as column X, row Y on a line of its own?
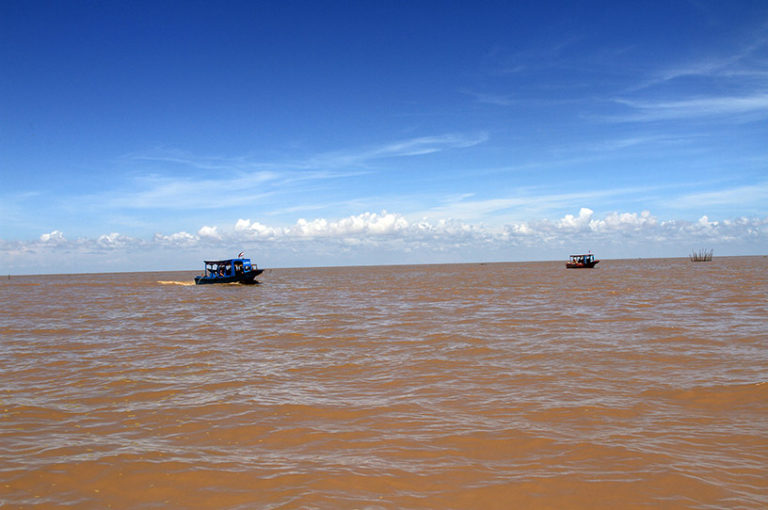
column 713, row 106
column 742, row 196
column 718, row 69
column 657, row 141
column 746, row 62
column 527, row 202
column 167, row 192
column 427, row 145
column 739, row 76
column 417, row 146
column 724, row 68
column 321, row 162
column 493, row 99
column 218, row 183
column 188, row 160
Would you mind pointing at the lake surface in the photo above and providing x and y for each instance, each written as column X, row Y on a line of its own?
column 638, row 384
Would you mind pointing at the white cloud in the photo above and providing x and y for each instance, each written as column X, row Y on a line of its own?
column 641, row 230
column 256, row 229
column 368, row 227
column 209, row 232
column 366, row 223
column 625, row 222
column 358, row 225
column 55, row 236
column 614, row 226
column 176, row 239
column 385, row 234
column 580, row 222
column 115, row 241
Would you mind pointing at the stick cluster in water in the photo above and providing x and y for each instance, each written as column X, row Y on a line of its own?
column 701, row 255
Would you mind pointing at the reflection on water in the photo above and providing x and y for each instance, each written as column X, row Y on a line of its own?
column 637, row 383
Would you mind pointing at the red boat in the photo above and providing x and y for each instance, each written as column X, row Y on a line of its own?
column 582, row 261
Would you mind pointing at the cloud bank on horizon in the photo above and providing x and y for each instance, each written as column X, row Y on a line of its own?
column 372, row 134
column 389, row 238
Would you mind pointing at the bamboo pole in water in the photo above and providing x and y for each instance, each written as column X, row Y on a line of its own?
column 701, row 256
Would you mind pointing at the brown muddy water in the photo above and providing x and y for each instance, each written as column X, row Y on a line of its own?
column 638, row 384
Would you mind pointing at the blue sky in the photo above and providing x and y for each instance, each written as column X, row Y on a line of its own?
column 150, row 135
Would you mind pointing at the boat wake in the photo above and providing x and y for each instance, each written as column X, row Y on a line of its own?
column 183, row 284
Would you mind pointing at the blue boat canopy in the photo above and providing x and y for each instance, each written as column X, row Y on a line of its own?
column 226, row 261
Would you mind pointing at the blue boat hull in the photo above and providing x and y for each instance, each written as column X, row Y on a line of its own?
column 247, row 278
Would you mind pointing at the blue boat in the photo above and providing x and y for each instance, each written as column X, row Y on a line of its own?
column 237, row 270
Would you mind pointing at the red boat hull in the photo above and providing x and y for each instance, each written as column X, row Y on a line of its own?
column 580, row 265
